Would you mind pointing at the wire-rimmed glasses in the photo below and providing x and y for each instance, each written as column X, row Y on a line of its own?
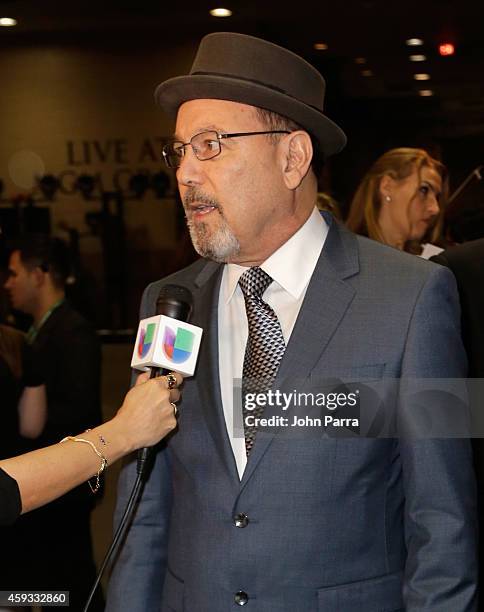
column 205, row 145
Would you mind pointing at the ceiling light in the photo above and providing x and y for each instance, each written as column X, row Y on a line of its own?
column 7, row 22
column 320, row 46
column 360, row 60
column 221, row 12
column 414, row 42
column 446, row 49
column 422, row 76
column 367, row 73
column 417, row 58
column 425, row 93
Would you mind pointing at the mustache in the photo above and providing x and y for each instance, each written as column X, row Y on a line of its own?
column 194, row 195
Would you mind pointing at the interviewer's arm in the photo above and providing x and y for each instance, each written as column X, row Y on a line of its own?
column 145, row 417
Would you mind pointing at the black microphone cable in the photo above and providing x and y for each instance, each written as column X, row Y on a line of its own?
column 176, row 302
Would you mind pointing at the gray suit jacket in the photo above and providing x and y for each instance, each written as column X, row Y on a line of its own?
column 334, row 524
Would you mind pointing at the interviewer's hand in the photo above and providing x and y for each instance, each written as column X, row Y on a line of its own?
column 147, row 415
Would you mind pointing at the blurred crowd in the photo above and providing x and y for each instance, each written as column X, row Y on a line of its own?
column 50, row 380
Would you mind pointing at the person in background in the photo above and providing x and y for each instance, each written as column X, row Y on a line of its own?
column 69, row 352
column 24, row 412
column 399, row 201
column 23, row 407
column 147, row 415
column 22, row 418
column 467, row 263
column 326, row 202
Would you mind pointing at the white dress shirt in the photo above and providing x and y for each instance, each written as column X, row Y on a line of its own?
column 291, row 268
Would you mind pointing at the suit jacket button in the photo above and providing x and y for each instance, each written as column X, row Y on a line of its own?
column 241, row 520
column 241, row 598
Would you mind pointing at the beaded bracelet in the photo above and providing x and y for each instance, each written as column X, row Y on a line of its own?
column 104, row 461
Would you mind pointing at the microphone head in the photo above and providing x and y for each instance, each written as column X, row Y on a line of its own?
column 175, row 301
column 166, row 339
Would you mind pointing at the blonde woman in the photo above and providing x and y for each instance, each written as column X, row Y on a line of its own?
column 399, row 201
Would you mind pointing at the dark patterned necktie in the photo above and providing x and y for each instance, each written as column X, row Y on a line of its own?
column 265, row 344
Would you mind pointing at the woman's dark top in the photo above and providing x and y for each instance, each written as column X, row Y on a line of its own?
column 10, row 504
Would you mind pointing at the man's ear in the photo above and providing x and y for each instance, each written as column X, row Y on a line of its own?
column 297, row 151
column 39, row 276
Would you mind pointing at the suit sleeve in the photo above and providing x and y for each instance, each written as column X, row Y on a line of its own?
column 440, row 507
column 136, row 583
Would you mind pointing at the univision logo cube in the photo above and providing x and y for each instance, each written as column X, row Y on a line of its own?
column 164, row 342
column 178, row 344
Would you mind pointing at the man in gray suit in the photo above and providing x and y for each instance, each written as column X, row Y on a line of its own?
column 274, row 522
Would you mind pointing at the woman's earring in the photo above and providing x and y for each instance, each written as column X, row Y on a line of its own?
column 388, row 198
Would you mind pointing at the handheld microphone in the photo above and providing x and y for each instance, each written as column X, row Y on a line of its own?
column 173, row 301
column 164, row 341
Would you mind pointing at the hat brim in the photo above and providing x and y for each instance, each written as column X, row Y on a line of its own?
column 172, row 93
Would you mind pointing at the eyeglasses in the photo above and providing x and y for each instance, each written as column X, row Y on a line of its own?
column 205, row 145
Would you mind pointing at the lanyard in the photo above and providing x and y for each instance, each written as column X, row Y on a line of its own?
column 33, row 331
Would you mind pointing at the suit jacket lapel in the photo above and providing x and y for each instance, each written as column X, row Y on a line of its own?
column 327, row 298
column 208, row 382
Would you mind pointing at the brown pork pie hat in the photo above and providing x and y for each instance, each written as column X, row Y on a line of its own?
column 241, row 68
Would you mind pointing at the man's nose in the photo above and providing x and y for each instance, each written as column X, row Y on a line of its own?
column 190, row 171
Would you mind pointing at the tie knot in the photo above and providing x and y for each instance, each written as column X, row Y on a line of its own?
column 254, row 282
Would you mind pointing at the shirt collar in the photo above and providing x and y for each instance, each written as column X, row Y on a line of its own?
column 34, row 329
column 292, row 265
